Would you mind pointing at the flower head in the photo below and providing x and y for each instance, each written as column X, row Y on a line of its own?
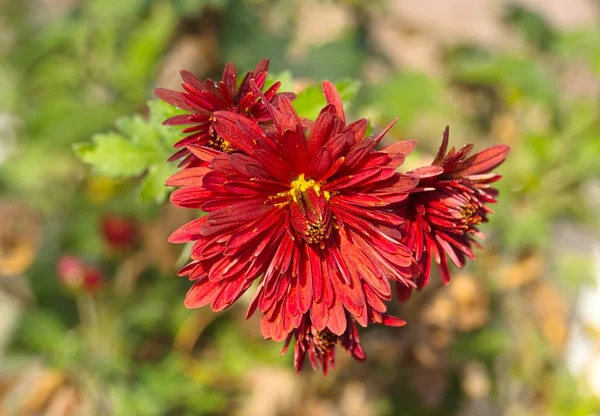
column 449, row 203
column 202, row 99
column 310, row 213
column 320, row 346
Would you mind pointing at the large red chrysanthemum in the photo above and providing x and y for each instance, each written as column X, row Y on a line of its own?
column 310, row 214
column 202, row 99
column 451, row 200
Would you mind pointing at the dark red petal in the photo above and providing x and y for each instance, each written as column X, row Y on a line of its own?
column 176, row 99
column 333, row 97
column 443, row 147
column 178, row 120
column 399, row 150
column 320, row 133
column 241, row 132
column 484, row 161
column 403, row 291
column 203, row 153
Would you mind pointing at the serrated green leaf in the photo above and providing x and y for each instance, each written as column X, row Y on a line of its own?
column 310, row 101
column 113, row 155
column 140, row 145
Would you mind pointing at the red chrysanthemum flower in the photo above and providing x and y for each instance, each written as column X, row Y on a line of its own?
column 310, row 214
column 320, row 345
column 202, row 99
column 450, row 201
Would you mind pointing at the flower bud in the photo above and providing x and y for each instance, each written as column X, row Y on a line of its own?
column 76, row 276
column 119, row 232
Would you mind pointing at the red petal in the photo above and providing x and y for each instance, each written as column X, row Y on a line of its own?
column 426, row 172
column 188, row 232
column 484, row 161
column 201, row 294
column 333, row 97
column 190, row 176
column 176, row 99
column 240, row 131
column 443, row 147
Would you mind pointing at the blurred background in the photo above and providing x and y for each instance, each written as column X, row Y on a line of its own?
column 91, row 312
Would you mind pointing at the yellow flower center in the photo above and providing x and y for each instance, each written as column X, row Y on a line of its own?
column 469, row 216
column 302, row 185
column 218, row 143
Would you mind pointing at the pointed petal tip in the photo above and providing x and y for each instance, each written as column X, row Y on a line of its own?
column 161, row 92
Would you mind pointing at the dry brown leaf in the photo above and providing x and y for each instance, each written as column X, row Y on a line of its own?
column 517, row 275
column 426, row 355
column 272, row 392
column 440, row 311
column 505, row 129
column 472, row 302
column 64, row 403
column 476, row 381
column 551, row 312
column 355, row 400
column 20, row 232
column 32, row 391
column 317, row 24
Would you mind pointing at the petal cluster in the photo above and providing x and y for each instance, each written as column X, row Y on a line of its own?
column 313, row 215
column 308, row 214
column 449, row 203
column 202, row 99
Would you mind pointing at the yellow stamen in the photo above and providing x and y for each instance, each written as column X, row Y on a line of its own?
column 302, row 185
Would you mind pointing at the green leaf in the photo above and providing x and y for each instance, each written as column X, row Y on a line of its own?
column 139, row 145
column 112, row 154
column 143, row 47
column 516, row 76
column 153, row 186
column 310, row 101
column 531, row 25
column 405, row 96
column 285, row 77
column 195, row 7
column 581, row 44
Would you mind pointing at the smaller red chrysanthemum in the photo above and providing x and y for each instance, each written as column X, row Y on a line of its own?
column 451, row 200
column 202, row 99
column 320, row 345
